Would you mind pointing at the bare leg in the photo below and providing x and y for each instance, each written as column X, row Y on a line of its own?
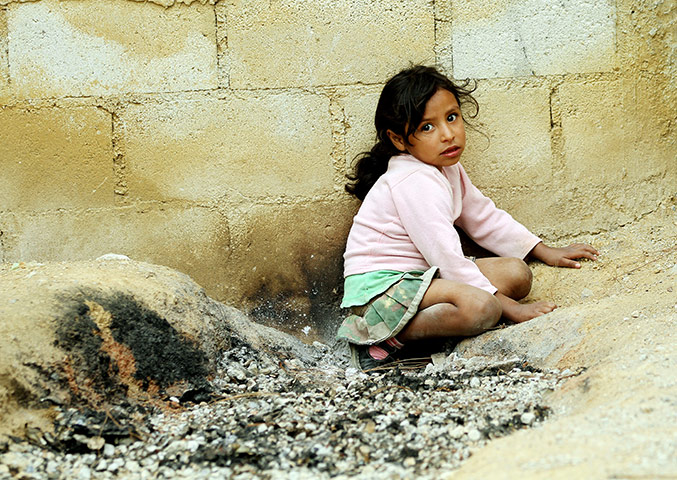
column 513, row 279
column 451, row 309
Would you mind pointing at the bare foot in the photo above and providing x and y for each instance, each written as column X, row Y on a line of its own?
column 519, row 312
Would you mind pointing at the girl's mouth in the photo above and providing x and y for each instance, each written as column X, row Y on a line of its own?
column 452, row 151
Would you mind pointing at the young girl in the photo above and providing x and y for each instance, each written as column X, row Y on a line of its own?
column 406, row 277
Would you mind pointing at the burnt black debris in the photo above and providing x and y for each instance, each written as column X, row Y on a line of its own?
column 161, row 353
column 132, row 348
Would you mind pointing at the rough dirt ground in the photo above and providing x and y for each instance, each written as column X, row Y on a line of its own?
column 616, row 325
column 635, row 258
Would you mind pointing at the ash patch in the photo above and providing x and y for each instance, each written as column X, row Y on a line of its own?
column 275, row 419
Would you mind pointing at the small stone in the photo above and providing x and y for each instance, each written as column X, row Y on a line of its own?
column 193, row 445
column 635, row 314
column 586, row 293
column 457, row 432
column 84, row 473
column 438, row 359
column 115, row 465
column 51, row 469
column 311, row 427
column 132, row 466
column 474, row 435
column 475, row 382
column 108, row 450
column 95, row 443
column 112, row 256
column 409, row 462
column 527, row 418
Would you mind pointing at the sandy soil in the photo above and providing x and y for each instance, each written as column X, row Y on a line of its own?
column 616, row 330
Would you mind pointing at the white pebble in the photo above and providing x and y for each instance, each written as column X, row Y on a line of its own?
column 527, row 418
column 108, row 450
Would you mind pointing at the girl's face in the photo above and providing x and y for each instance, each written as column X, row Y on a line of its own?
column 439, row 139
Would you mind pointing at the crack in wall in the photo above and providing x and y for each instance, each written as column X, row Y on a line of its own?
column 222, row 51
column 2, row 247
column 4, row 43
column 120, row 188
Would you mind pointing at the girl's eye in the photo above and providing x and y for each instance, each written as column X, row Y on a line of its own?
column 426, row 127
column 452, row 117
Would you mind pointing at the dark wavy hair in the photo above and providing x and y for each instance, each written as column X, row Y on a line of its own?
column 400, row 109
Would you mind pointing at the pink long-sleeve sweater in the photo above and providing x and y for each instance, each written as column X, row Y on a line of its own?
column 407, row 219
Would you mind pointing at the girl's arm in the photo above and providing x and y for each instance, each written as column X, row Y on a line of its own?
column 565, row 256
column 489, row 226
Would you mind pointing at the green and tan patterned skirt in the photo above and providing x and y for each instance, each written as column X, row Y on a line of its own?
column 387, row 314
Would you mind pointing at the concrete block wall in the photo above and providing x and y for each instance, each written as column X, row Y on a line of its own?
column 213, row 137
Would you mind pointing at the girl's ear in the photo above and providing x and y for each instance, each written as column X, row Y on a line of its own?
column 397, row 140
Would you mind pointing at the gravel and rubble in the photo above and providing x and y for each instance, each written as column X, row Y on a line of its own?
column 271, row 419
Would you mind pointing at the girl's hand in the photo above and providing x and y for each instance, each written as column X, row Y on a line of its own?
column 564, row 257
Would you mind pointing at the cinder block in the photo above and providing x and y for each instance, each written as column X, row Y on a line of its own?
column 556, row 211
column 256, row 144
column 194, row 241
column 655, row 99
column 608, row 136
column 359, row 108
column 511, row 146
column 533, row 37
column 60, row 48
column 55, row 158
column 310, row 42
column 444, row 47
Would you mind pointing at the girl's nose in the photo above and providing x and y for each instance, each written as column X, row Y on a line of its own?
column 446, row 133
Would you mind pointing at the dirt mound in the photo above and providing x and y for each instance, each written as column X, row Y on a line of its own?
column 98, row 334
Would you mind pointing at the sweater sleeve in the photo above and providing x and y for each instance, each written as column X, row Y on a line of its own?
column 491, row 227
column 424, row 205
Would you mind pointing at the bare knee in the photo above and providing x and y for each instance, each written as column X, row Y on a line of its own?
column 480, row 314
column 519, row 284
